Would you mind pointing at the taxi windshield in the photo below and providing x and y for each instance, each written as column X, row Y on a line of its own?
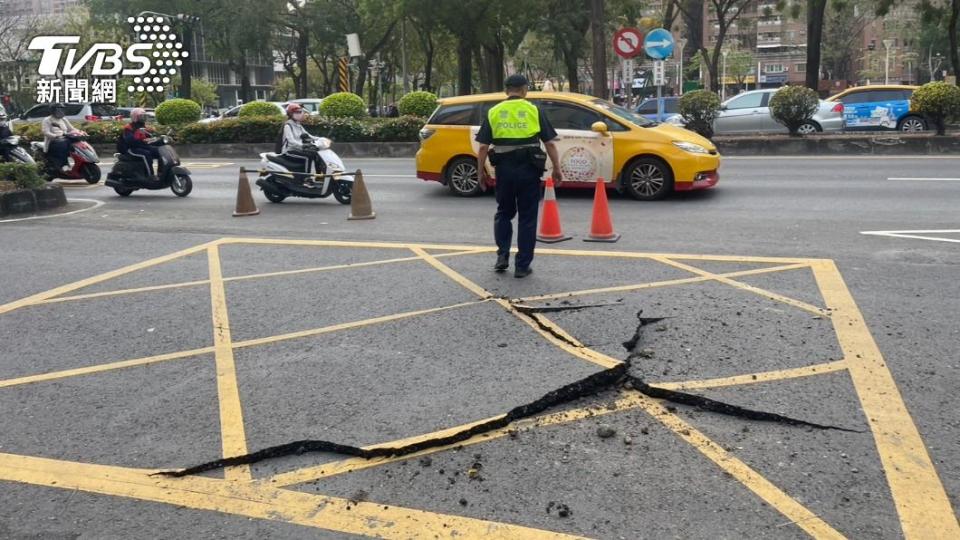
column 623, row 113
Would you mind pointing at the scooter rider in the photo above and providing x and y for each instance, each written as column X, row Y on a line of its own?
column 293, row 136
column 133, row 141
column 55, row 128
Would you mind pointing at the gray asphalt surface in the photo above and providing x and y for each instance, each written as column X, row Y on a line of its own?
column 403, row 378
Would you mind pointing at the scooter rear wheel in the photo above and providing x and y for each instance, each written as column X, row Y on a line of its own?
column 274, row 197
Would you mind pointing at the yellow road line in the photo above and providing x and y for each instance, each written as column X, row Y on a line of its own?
column 767, row 491
column 665, row 283
column 241, row 278
column 743, row 286
column 236, row 345
column 753, row 378
column 54, row 375
column 922, row 504
column 5, row 308
column 576, row 348
column 233, row 438
column 544, row 251
column 259, row 502
column 349, row 325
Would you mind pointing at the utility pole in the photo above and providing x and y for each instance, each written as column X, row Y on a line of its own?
column 597, row 20
column 403, row 55
column 887, row 44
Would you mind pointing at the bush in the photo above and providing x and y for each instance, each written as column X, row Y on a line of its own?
column 28, row 132
column 405, row 128
column 259, row 108
column 174, row 112
column 938, row 101
column 343, row 105
column 23, row 175
column 97, row 132
column 794, row 106
column 699, row 109
column 418, row 104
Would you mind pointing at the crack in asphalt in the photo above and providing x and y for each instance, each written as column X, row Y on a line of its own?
column 585, row 387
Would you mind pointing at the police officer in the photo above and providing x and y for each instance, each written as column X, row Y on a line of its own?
column 515, row 127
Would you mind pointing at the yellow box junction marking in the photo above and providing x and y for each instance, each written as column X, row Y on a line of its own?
column 920, row 499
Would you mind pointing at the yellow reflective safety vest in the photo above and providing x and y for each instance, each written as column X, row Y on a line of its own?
column 513, row 122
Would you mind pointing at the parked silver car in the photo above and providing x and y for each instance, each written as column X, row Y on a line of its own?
column 74, row 112
column 749, row 112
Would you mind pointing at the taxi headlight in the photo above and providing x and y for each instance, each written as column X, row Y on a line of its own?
column 690, row 147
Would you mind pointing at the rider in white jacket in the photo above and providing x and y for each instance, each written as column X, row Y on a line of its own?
column 295, row 138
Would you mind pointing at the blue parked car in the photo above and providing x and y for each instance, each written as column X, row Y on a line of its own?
column 880, row 107
column 648, row 108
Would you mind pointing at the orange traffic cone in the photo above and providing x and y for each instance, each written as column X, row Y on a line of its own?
column 601, row 229
column 245, row 204
column 550, row 230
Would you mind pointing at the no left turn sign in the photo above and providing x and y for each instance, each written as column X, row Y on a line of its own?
column 628, row 42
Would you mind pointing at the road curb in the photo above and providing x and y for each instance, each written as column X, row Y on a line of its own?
column 29, row 201
column 771, row 145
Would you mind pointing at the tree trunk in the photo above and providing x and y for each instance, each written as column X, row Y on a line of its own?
column 570, row 62
column 428, row 68
column 300, row 83
column 244, row 78
column 952, row 31
column 464, row 67
column 361, row 76
column 815, row 13
column 599, row 49
column 186, row 69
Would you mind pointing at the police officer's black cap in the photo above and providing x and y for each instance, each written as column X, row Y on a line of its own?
column 516, row 81
column 55, row 106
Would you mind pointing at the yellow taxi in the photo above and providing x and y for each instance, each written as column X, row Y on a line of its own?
column 597, row 139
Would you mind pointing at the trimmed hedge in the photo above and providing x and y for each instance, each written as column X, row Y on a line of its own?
column 259, row 108
column 23, row 175
column 699, row 109
column 174, row 112
column 794, row 106
column 939, row 101
column 418, row 104
column 343, row 105
column 255, row 129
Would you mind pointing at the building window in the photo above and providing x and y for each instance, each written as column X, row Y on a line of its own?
column 800, row 68
column 774, row 68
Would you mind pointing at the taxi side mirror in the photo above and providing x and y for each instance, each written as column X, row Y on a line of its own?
column 599, row 127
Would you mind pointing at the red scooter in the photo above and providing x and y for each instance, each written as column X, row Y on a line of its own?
column 82, row 159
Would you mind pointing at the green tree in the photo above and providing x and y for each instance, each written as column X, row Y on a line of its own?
column 204, row 93
column 740, row 64
column 727, row 12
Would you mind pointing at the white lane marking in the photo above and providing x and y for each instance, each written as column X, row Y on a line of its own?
column 917, row 235
column 95, row 205
column 921, row 179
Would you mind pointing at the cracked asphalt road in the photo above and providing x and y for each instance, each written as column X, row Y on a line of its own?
column 396, row 379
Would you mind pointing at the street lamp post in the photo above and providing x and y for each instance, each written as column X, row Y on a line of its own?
column 375, row 68
column 186, row 68
column 682, row 42
column 723, row 77
column 887, row 44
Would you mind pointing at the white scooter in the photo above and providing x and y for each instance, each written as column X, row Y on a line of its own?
column 287, row 175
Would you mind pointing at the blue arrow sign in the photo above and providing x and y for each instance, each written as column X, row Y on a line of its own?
column 658, row 44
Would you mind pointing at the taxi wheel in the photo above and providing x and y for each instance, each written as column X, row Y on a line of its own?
column 648, row 179
column 462, row 177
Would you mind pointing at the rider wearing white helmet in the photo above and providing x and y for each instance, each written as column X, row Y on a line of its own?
column 133, row 140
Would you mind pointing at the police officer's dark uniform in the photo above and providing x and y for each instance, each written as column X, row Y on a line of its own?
column 515, row 127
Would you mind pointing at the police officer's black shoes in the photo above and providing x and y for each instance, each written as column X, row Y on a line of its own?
column 522, row 272
column 503, row 262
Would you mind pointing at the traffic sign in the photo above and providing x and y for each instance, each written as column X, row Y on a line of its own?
column 628, row 42
column 658, row 44
column 658, row 73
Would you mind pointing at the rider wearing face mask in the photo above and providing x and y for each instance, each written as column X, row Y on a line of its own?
column 294, row 137
column 55, row 145
column 133, row 141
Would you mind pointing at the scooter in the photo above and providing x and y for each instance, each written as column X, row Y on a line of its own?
column 11, row 152
column 130, row 173
column 285, row 175
column 83, row 155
